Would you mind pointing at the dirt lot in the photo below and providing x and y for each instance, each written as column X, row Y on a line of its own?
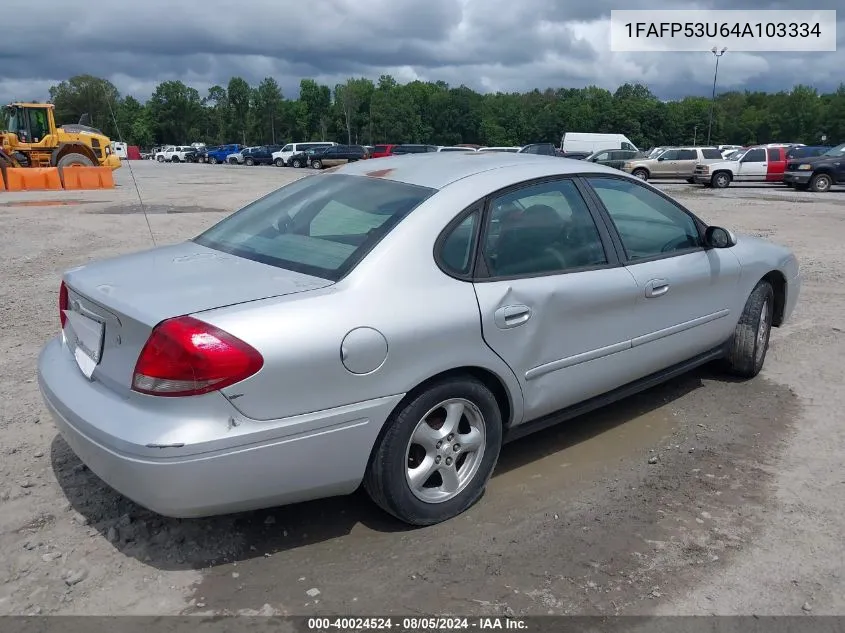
column 743, row 512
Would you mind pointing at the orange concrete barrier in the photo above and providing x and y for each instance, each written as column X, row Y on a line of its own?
column 33, row 179
column 87, row 178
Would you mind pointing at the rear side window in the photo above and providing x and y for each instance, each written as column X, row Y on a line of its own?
column 775, row 153
column 687, row 154
column 711, row 153
column 322, row 225
column 380, row 149
column 457, row 249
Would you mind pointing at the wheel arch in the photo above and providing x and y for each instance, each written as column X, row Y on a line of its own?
column 489, row 378
column 778, row 281
column 72, row 147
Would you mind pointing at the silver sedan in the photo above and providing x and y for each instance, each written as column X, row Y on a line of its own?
column 393, row 325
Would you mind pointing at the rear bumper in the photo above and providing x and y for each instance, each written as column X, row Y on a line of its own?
column 197, row 456
column 797, row 177
column 701, row 179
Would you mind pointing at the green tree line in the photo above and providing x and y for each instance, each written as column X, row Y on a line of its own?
column 385, row 111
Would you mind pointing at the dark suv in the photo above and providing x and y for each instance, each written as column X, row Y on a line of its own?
column 543, row 149
column 262, row 155
column 338, row 155
column 411, row 148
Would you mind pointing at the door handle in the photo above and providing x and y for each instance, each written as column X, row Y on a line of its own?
column 656, row 288
column 511, row 316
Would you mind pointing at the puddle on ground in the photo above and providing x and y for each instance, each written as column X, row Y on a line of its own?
column 155, row 209
column 43, row 203
column 568, row 451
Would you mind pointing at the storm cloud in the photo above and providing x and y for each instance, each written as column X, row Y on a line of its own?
column 489, row 45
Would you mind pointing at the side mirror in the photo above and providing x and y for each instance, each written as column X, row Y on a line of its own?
column 717, row 237
column 659, row 158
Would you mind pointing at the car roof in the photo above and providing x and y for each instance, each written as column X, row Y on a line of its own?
column 436, row 170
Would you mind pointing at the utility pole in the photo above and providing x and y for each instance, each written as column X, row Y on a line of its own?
column 717, row 53
column 694, row 134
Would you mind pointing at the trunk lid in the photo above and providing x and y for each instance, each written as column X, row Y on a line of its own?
column 131, row 294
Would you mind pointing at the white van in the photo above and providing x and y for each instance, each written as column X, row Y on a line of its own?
column 589, row 142
column 121, row 150
column 282, row 157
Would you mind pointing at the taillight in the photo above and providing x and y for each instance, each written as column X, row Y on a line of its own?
column 187, row 357
column 63, row 304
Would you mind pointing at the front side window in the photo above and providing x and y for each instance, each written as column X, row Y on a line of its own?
column 321, row 225
column 755, row 156
column 541, row 229
column 648, row 224
column 669, row 154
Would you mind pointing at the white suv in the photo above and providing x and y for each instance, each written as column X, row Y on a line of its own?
column 282, row 157
column 173, row 154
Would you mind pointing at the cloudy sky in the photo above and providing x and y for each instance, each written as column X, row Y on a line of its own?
column 489, row 45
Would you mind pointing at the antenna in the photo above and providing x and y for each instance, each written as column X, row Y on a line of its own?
column 129, row 164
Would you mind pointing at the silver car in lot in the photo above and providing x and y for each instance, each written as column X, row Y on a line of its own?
column 394, row 325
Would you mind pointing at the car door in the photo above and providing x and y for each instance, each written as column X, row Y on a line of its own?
column 753, row 166
column 332, row 156
column 686, row 292
column 555, row 302
column 685, row 165
column 776, row 158
column 601, row 158
column 666, row 164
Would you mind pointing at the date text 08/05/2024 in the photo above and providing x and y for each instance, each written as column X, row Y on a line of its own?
column 414, row 624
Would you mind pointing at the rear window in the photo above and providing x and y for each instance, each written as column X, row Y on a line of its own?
column 320, row 225
column 711, row 153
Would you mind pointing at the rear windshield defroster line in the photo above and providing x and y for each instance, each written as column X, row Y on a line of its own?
column 321, row 225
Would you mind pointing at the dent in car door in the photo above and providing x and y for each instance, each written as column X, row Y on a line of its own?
column 555, row 305
column 685, row 293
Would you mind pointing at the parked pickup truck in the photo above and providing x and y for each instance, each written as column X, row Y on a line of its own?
column 756, row 164
column 819, row 173
column 217, row 155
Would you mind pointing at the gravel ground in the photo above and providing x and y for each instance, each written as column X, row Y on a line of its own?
column 741, row 512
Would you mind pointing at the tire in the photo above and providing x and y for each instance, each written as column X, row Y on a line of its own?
column 160, row 159
column 720, row 180
column 821, row 183
column 691, row 181
column 249, row 162
column 642, row 174
column 296, row 163
column 387, row 480
column 789, row 185
column 279, row 162
column 317, row 164
column 73, row 159
column 213, row 160
column 750, row 341
column 175, row 159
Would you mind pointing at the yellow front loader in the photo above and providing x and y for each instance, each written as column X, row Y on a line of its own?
column 29, row 138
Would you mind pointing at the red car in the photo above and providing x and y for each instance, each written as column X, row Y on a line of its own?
column 380, row 151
